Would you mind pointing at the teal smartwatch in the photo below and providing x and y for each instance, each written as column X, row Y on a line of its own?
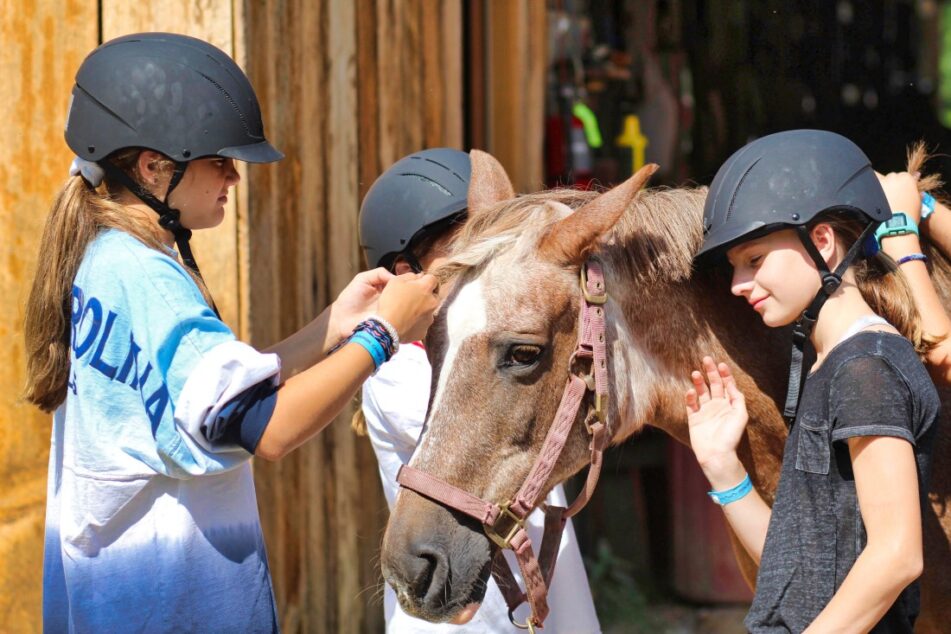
column 898, row 225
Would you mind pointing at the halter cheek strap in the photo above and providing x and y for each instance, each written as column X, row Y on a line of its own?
column 504, row 523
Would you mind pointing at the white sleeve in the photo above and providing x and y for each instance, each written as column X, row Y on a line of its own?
column 223, row 373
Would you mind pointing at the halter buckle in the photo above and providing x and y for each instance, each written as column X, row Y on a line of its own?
column 503, row 536
column 597, row 300
column 597, row 413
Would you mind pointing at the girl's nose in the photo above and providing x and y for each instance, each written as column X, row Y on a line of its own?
column 741, row 284
column 233, row 175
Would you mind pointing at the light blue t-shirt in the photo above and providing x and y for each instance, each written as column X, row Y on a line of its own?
column 150, row 527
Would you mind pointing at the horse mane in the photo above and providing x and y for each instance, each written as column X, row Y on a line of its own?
column 654, row 240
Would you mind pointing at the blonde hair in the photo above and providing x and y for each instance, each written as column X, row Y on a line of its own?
column 78, row 214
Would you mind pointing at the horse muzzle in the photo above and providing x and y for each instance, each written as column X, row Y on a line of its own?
column 436, row 560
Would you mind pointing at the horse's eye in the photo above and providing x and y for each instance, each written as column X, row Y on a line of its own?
column 522, row 354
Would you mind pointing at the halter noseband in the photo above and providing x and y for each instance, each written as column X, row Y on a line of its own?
column 504, row 523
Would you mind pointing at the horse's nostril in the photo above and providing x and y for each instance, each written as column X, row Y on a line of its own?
column 429, row 571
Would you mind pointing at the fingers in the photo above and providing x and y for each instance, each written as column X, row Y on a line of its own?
column 429, row 282
column 716, row 381
column 729, row 383
column 700, row 386
column 690, row 399
column 376, row 278
column 713, row 377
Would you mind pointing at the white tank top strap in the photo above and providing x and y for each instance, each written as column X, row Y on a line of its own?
column 862, row 323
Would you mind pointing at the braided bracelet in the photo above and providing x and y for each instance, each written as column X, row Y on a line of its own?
column 913, row 257
column 390, row 330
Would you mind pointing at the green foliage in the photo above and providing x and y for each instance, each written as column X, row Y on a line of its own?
column 620, row 602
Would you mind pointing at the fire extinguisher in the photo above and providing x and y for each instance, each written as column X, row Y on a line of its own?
column 582, row 162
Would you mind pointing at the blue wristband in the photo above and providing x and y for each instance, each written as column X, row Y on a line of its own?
column 913, row 257
column 732, row 495
column 927, row 205
column 371, row 345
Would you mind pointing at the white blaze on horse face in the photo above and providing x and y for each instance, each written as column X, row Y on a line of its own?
column 466, row 317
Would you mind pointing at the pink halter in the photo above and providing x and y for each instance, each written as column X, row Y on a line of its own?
column 505, row 523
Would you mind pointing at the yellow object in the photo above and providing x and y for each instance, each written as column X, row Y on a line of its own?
column 633, row 138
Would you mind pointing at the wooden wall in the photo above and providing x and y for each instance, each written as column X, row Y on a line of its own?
column 43, row 45
column 346, row 88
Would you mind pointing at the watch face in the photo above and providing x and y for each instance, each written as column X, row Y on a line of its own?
column 898, row 220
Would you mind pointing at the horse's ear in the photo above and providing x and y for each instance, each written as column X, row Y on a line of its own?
column 570, row 240
column 489, row 184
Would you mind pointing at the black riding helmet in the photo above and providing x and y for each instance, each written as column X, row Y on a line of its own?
column 786, row 180
column 419, row 196
column 169, row 93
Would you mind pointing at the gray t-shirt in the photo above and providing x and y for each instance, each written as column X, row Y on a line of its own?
column 872, row 384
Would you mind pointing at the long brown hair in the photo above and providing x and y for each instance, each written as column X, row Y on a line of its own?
column 880, row 280
column 882, row 283
column 78, row 214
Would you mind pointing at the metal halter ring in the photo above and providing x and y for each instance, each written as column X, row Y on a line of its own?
column 527, row 625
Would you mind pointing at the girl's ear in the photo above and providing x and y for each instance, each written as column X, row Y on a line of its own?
column 823, row 236
column 149, row 166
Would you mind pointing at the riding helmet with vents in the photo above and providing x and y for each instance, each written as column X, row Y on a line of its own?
column 419, row 196
column 785, row 181
column 173, row 94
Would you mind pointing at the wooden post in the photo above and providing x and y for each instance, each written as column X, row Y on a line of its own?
column 516, row 33
column 43, row 44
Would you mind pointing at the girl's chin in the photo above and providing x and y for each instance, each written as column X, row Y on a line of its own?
column 772, row 321
column 212, row 220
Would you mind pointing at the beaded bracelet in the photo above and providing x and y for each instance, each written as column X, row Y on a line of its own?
column 732, row 495
column 391, row 331
column 913, row 257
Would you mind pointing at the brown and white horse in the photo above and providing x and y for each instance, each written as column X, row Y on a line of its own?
column 500, row 350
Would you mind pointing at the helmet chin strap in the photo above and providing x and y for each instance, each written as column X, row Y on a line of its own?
column 169, row 218
column 831, row 280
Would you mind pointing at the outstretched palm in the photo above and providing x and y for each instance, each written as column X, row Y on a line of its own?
column 716, row 413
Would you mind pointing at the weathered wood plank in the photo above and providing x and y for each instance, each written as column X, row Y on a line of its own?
column 368, row 91
column 441, row 42
column 44, row 43
column 515, row 45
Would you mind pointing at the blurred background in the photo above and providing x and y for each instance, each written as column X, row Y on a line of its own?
column 569, row 92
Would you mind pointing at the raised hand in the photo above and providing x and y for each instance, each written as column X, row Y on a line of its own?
column 901, row 190
column 716, row 419
column 357, row 301
column 408, row 303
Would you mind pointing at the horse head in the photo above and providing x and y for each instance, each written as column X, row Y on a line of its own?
column 501, row 350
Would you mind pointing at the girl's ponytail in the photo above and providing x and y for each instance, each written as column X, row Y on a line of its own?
column 78, row 214
column 70, row 226
column 885, row 289
column 882, row 284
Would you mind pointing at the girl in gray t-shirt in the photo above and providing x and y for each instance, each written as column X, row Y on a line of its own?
column 799, row 216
